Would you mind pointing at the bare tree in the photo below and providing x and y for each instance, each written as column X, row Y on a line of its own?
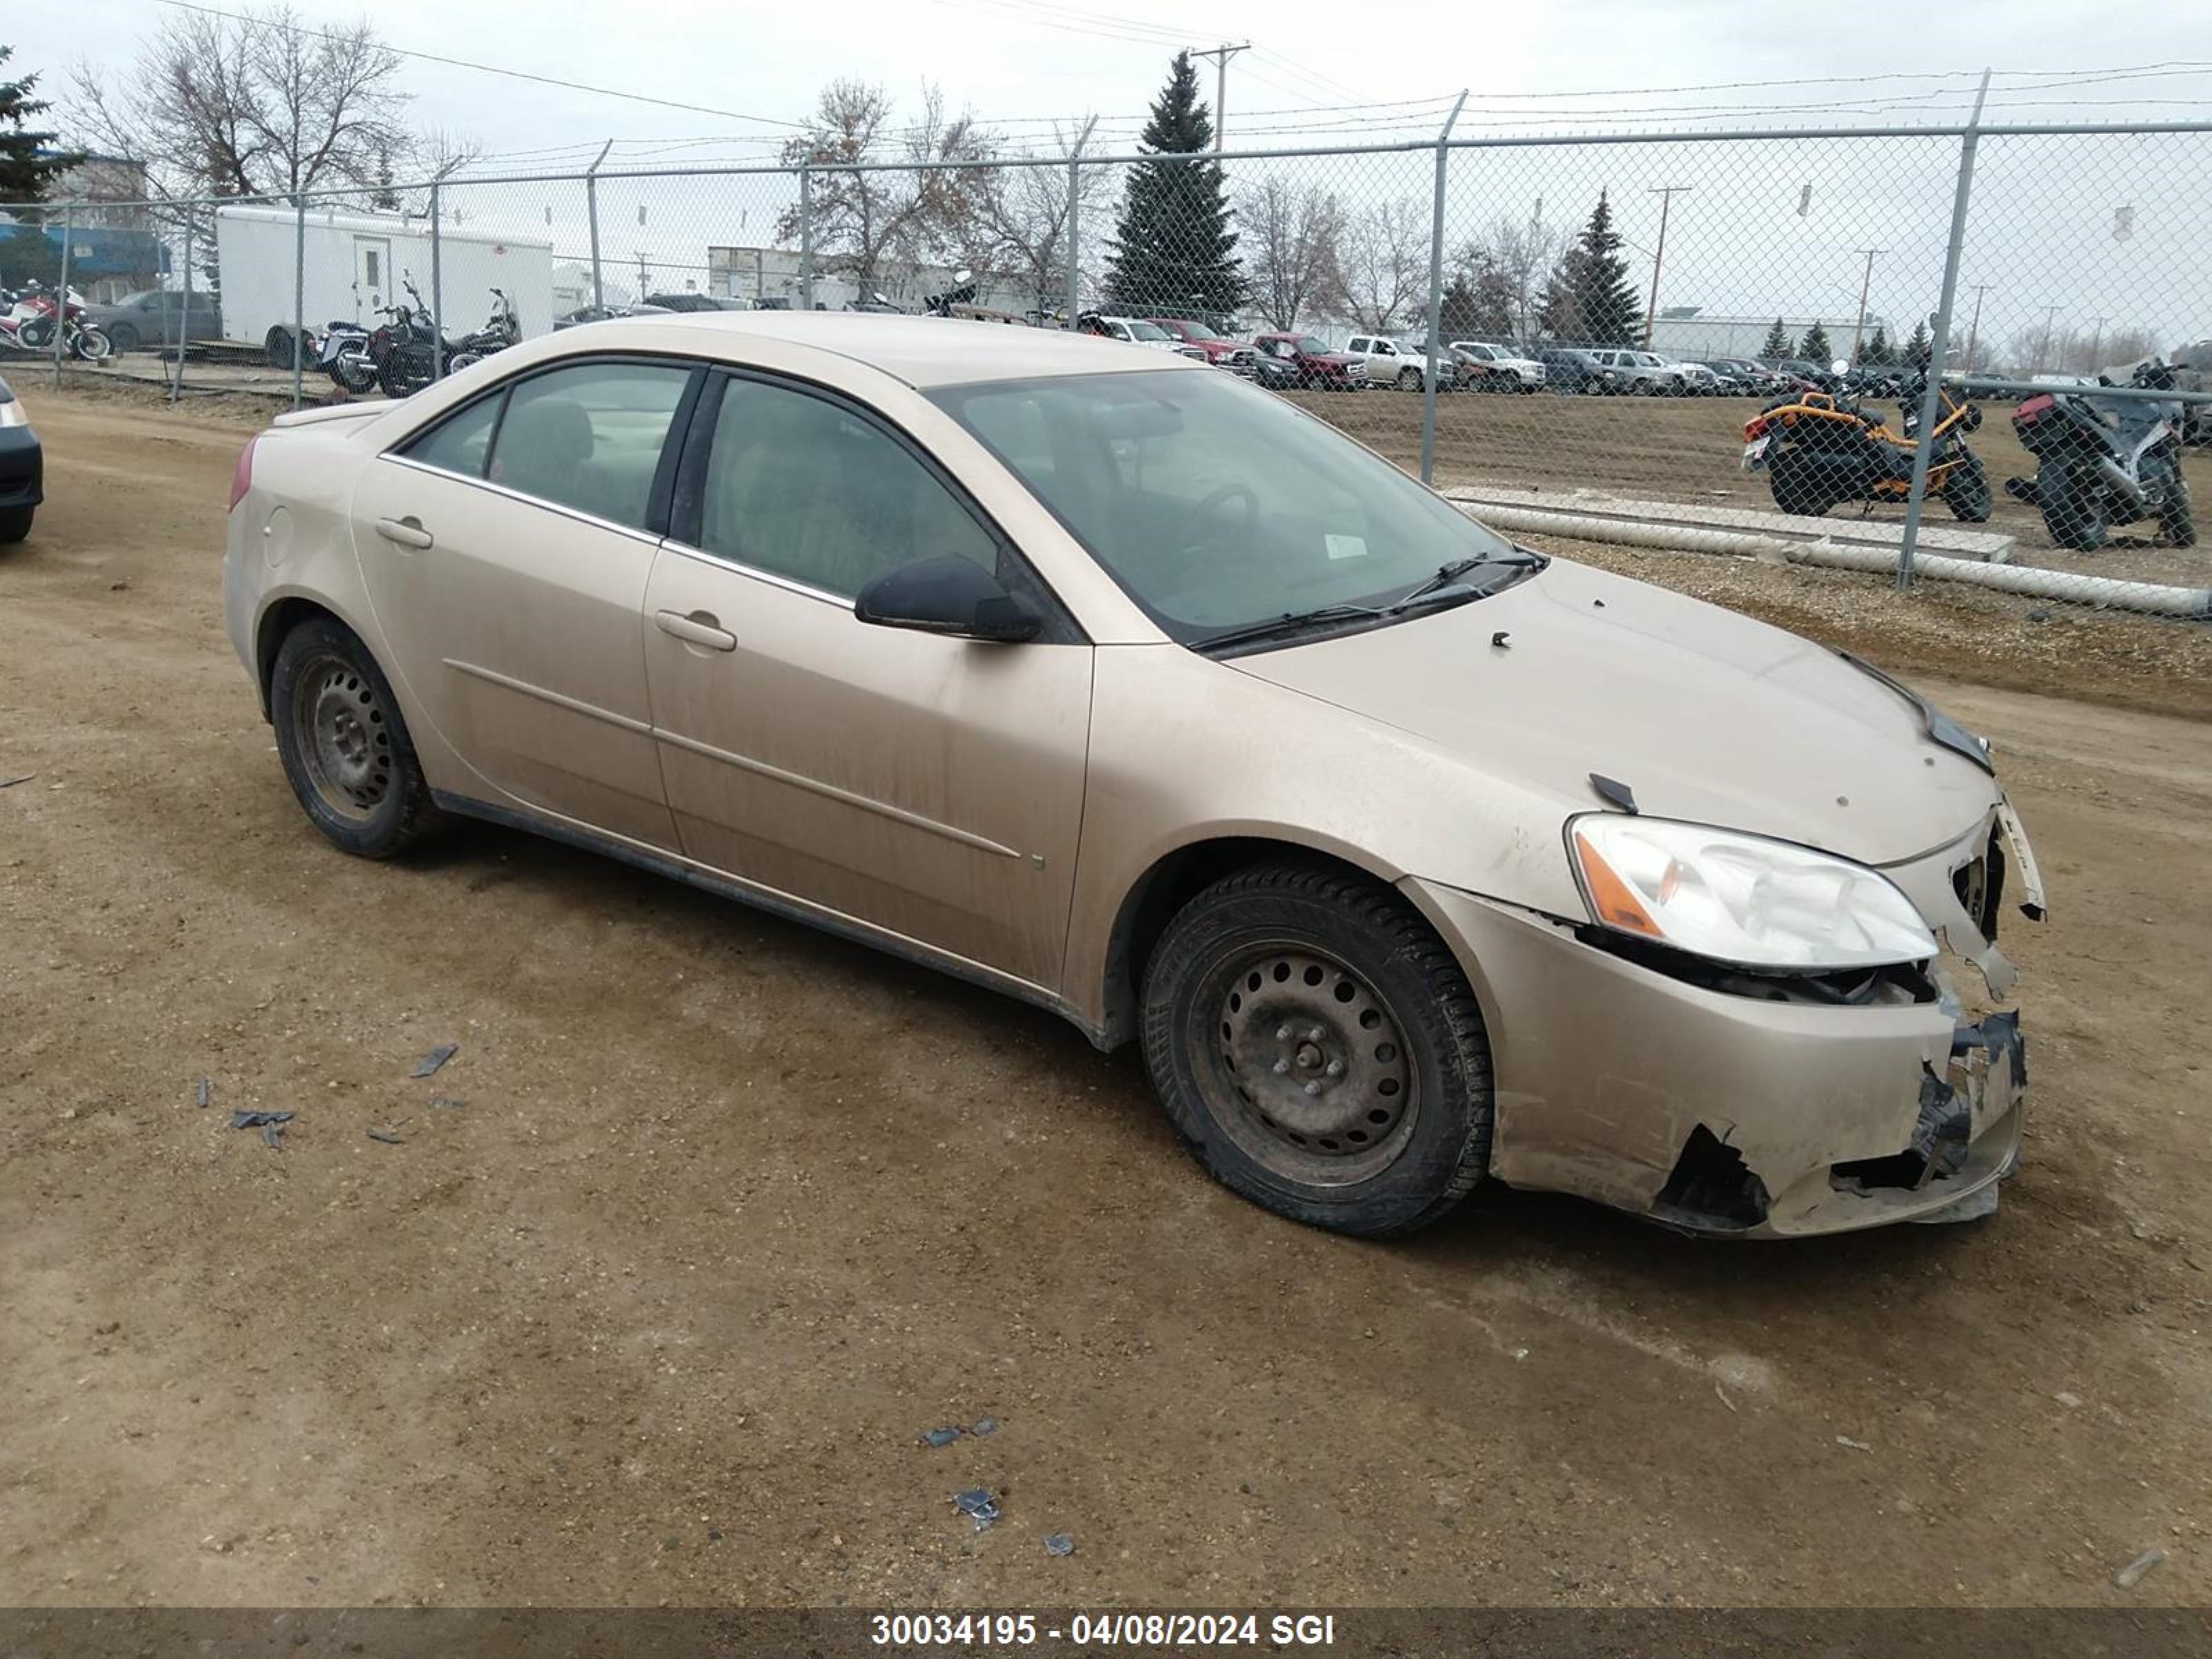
column 1293, row 238
column 862, row 217
column 1508, row 267
column 1386, row 264
column 256, row 105
column 1024, row 217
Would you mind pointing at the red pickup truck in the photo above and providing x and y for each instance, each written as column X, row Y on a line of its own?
column 1313, row 364
column 1235, row 355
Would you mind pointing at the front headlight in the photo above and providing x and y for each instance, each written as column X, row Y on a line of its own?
column 12, row 413
column 1739, row 898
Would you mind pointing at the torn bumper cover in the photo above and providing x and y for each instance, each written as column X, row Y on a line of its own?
column 1721, row 1113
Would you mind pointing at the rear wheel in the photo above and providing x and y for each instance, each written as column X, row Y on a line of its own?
column 124, row 337
column 1966, row 493
column 2073, row 511
column 1801, row 483
column 2177, row 522
column 1320, row 1050
column 345, row 748
column 92, row 344
column 280, row 346
column 14, row 524
column 1409, row 379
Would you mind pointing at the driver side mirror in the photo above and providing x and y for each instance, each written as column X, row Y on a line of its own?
column 947, row 595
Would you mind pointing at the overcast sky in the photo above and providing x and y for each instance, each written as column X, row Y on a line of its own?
column 1387, row 69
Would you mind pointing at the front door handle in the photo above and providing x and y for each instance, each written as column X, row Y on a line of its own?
column 408, row 532
column 700, row 627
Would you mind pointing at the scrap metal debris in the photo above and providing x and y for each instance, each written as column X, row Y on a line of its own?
column 977, row 1504
column 12, row 782
column 203, row 1092
column 440, row 1100
column 944, row 1437
column 386, row 1136
column 984, row 1426
column 1060, row 1543
column 2132, row 1574
column 271, row 1124
column 437, row 1057
column 1856, row 1445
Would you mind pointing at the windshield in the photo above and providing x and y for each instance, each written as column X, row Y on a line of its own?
column 1146, row 332
column 1215, row 505
column 1313, row 346
column 1194, row 330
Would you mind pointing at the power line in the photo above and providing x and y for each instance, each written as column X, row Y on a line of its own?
column 511, row 74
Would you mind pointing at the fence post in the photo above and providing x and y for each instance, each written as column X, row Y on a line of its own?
column 1939, row 343
column 299, row 290
column 805, row 237
column 184, row 327
column 1075, row 225
column 437, row 289
column 591, row 208
column 60, row 300
column 1434, row 368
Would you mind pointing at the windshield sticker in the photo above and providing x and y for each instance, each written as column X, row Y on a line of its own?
column 1345, row 547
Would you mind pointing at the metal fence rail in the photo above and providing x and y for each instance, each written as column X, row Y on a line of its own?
column 1561, row 331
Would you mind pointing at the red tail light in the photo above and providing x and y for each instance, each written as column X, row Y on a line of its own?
column 1754, row 427
column 2033, row 409
column 241, row 476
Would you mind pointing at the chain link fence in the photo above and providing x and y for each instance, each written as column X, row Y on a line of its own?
column 1871, row 350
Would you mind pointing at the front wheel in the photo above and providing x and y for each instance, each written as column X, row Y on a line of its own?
column 344, row 747
column 1966, row 493
column 2177, row 522
column 1409, row 379
column 123, row 337
column 355, row 374
column 1320, row 1050
column 14, row 524
column 92, row 345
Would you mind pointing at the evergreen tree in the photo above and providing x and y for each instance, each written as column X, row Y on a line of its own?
column 1916, row 348
column 28, row 166
column 1589, row 298
column 1174, row 246
column 1777, row 341
column 1814, row 347
column 1878, row 352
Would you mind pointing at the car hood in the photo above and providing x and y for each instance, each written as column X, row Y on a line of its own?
column 1706, row 714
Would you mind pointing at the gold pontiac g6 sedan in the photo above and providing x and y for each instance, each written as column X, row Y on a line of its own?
column 1123, row 686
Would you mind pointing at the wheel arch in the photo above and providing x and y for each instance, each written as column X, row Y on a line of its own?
column 1171, row 881
column 278, row 619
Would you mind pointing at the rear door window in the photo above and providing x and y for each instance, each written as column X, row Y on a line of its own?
column 589, row 437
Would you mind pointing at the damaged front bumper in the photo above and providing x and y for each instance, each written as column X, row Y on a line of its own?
column 1718, row 1112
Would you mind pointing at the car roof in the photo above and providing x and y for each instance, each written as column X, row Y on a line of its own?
column 922, row 351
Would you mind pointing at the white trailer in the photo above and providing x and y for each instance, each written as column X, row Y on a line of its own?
column 356, row 262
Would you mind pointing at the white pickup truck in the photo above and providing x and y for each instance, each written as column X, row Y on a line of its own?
column 1393, row 362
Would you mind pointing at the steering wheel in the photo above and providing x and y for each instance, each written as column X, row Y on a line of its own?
column 1214, row 503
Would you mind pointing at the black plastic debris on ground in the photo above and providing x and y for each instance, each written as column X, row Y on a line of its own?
column 386, row 1136
column 437, row 1057
column 203, row 1092
column 978, row 1505
column 1060, row 1543
column 944, row 1437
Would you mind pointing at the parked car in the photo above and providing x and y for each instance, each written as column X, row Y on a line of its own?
column 1135, row 331
column 1576, row 369
column 1485, row 367
column 1803, row 372
column 953, row 653
column 1402, row 364
column 1643, row 373
column 1749, row 378
column 22, row 469
column 1314, row 366
column 1235, row 355
column 154, row 317
column 1698, row 381
column 601, row 313
column 696, row 302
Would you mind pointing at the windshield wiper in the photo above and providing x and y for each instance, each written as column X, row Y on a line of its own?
column 1289, row 623
column 1449, row 574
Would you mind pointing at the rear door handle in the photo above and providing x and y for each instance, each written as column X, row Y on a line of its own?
column 408, row 532
column 700, row 627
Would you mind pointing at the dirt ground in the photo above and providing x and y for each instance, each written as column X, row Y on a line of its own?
column 733, row 1212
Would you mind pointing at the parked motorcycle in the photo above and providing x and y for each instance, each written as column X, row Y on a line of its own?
column 504, row 329
column 28, row 324
column 341, row 351
column 407, row 351
column 2106, row 461
column 1822, row 447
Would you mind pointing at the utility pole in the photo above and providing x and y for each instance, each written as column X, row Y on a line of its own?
column 1974, row 328
column 2096, row 340
column 2049, row 315
column 1666, row 193
column 1866, row 286
column 1221, row 55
